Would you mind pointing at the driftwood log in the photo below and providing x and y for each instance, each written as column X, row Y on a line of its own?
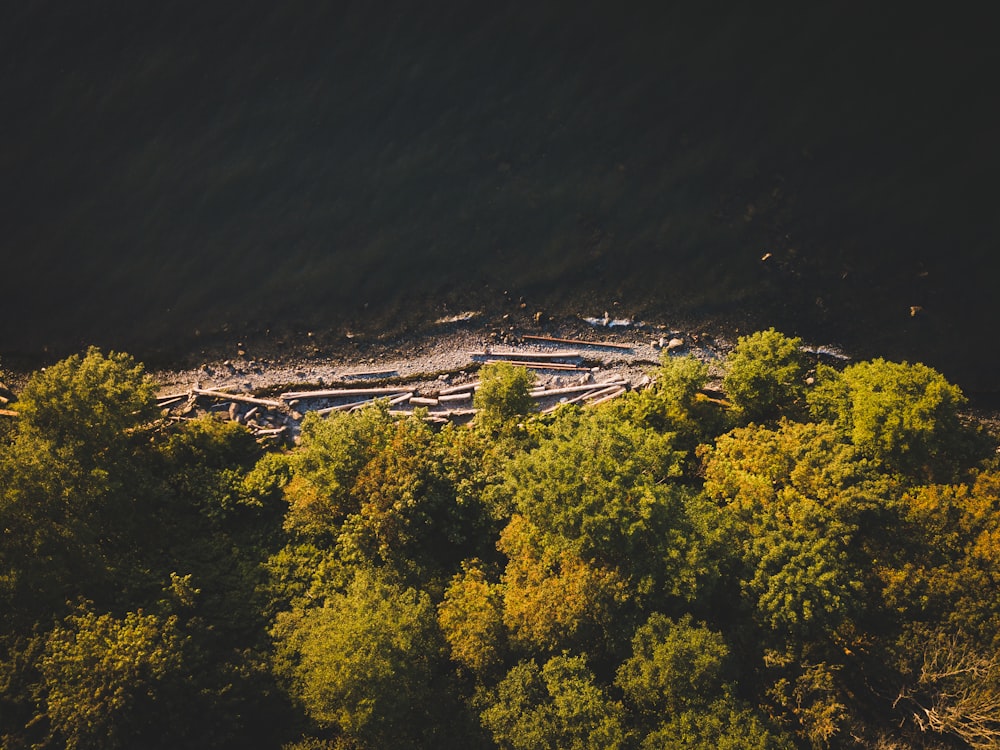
column 223, row 396
column 341, row 392
column 543, row 393
column 459, row 388
column 531, row 365
column 535, row 355
column 577, row 342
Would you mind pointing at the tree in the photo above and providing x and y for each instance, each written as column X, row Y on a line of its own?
column 88, row 404
column 333, row 452
column 807, row 515
column 409, row 516
column 675, row 403
column 503, row 398
column 674, row 666
column 725, row 725
column 552, row 597
column 471, row 618
column 559, row 705
column 765, row 376
column 108, row 682
column 365, row 662
column 600, row 487
column 943, row 566
column 956, row 691
column 904, row 416
column 72, row 482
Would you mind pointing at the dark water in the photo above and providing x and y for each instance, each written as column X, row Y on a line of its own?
column 181, row 176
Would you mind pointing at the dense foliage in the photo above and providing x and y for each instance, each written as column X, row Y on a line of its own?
column 812, row 563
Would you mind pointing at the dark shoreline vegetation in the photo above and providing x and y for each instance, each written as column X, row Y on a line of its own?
column 808, row 559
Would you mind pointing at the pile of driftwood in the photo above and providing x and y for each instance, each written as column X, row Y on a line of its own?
column 264, row 417
column 270, row 418
column 280, row 416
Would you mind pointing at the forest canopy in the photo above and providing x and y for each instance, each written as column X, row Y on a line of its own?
column 811, row 561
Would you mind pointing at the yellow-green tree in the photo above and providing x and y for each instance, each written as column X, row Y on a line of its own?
column 111, row 682
column 905, row 416
column 765, row 377
column 364, row 663
column 558, row 705
column 503, row 398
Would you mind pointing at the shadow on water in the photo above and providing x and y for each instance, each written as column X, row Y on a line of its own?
column 180, row 178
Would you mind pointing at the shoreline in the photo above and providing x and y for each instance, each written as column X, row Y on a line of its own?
column 436, row 371
column 445, row 351
column 446, row 354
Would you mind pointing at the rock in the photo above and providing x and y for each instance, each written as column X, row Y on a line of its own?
column 538, row 317
column 674, row 343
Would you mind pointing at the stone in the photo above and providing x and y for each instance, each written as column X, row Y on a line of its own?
column 674, row 343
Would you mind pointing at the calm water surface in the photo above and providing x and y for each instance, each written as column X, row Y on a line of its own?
column 179, row 178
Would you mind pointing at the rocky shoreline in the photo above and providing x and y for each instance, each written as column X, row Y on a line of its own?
column 587, row 360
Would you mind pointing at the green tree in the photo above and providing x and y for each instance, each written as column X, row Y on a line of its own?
column 904, row 416
column 674, row 666
column 765, row 377
column 73, row 485
column 410, row 516
column 503, row 398
column 601, row 488
column 471, row 618
column 674, row 403
column 552, row 597
column 725, row 725
column 88, row 405
column 807, row 516
column 943, row 566
column 365, row 663
column 333, row 452
column 559, row 705
column 109, row 682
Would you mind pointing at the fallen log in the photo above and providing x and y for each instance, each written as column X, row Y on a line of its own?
column 172, row 397
column 172, row 401
column 271, row 431
column 458, row 413
column 8, row 413
column 459, row 388
column 354, row 405
column 420, row 401
column 540, row 365
column 593, row 394
column 342, row 392
column 608, row 397
column 448, row 397
column 343, row 407
column 543, row 393
column 222, row 395
column 536, row 355
column 577, row 342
